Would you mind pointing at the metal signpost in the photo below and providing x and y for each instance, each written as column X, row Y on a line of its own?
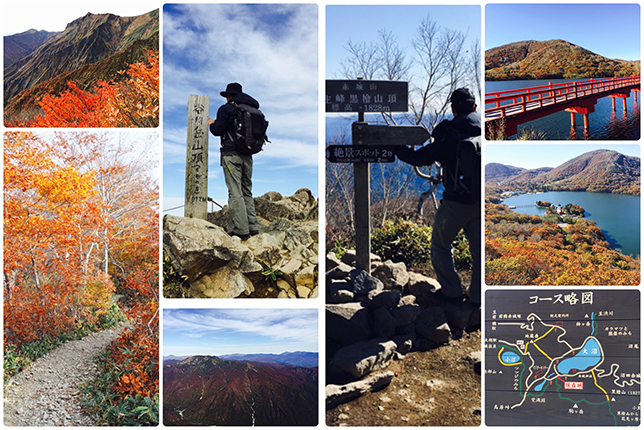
column 370, row 143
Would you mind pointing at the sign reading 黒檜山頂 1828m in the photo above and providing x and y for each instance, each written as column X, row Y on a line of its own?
column 366, row 96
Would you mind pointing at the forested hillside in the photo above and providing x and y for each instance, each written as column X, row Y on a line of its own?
column 552, row 59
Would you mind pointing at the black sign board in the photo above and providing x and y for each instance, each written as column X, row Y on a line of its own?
column 365, row 133
column 360, row 154
column 343, row 96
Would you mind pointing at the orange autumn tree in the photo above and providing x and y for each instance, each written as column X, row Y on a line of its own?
column 126, row 245
column 81, row 221
column 46, row 205
column 131, row 102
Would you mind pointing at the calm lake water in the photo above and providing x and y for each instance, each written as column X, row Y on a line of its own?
column 616, row 214
column 605, row 124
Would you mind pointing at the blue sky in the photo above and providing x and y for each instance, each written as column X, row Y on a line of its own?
column 532, row 156
column 362, row 23
column 19, row 16
column 272, row 51
column 610, row 30
column 242, row 331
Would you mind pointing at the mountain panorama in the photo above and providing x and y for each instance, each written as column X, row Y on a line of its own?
column 91, row 48
column 551, row 59
column 207, row 390
column 602, row 171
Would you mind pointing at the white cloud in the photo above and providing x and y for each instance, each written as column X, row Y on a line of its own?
column 208, row 46
column 299, row 324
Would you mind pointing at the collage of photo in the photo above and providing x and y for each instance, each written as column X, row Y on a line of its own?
column 321, row 214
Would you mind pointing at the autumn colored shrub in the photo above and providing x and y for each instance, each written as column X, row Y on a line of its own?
column 128, row 389
column 131, row 102
column 94, row 297
column 577, row 254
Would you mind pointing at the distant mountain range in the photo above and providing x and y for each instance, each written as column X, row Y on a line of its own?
column 298, row 358
column 601, row 171
column 91, row 48
column 552, row 59
column 18, row 46
column 207, row 390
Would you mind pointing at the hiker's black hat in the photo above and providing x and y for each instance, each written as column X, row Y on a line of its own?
column 462, row 95
column 232, row 89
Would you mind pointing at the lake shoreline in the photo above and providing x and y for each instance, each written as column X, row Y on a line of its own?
column 618, row 215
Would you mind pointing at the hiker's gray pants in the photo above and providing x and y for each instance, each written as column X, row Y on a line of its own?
column 449, row 219
column 238, row 172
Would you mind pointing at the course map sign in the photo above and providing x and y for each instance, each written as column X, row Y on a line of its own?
column 344, row 96
column 562, row 357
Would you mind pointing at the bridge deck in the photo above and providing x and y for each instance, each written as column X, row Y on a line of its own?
column 510, row 103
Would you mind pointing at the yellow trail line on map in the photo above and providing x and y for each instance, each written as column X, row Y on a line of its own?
column 506, row 364
column 595, row 379
column 537, row 346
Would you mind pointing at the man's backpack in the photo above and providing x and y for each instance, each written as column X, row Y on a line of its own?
column 250, row 129
column 467, row 172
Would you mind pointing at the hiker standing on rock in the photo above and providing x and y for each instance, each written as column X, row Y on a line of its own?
column 456, row 146
column 237, row 161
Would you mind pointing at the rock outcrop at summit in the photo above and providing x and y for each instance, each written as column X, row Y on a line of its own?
column 281, row 261
column 372, row 319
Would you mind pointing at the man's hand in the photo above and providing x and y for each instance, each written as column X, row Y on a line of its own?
column 210, row 121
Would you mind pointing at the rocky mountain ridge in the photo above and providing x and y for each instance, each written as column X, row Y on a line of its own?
column 87, row 40
column 18, row 46
column 205, row 390
column 551, row 59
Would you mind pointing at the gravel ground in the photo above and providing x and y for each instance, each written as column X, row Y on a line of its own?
column 434, row 388
column 47, row 393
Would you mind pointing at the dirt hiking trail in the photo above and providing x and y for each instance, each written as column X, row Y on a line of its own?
column 47, row 393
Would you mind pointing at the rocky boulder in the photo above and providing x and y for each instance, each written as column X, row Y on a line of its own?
column 280, row 261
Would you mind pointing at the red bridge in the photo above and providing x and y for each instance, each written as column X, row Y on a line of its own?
column 516, row 107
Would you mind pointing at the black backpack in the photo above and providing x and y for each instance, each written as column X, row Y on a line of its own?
column 467, row 170
column 250, row 129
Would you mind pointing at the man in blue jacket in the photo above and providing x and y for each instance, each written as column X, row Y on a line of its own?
column 238, row 168
column 460, row 207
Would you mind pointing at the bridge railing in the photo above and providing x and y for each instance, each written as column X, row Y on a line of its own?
column 511, row 102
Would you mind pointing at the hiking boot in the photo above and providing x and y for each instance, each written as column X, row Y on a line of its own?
column 243, row 237
column 254, row 232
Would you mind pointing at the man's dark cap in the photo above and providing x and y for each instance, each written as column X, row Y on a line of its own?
column 232, row 89
column 462, row 95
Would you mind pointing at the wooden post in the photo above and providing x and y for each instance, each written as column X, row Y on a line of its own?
column 196, row 205
column 573, row 120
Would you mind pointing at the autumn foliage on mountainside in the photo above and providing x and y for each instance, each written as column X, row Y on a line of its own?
column 131, row 102
column 532, row 250
column 81, row 224
column 551, row 59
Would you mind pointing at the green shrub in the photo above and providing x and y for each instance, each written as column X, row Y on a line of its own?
column 461, row 252
column 403, row 241
column 174, row 284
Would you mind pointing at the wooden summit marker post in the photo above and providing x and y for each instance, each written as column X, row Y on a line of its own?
column 196, row 194
column 370, row 143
